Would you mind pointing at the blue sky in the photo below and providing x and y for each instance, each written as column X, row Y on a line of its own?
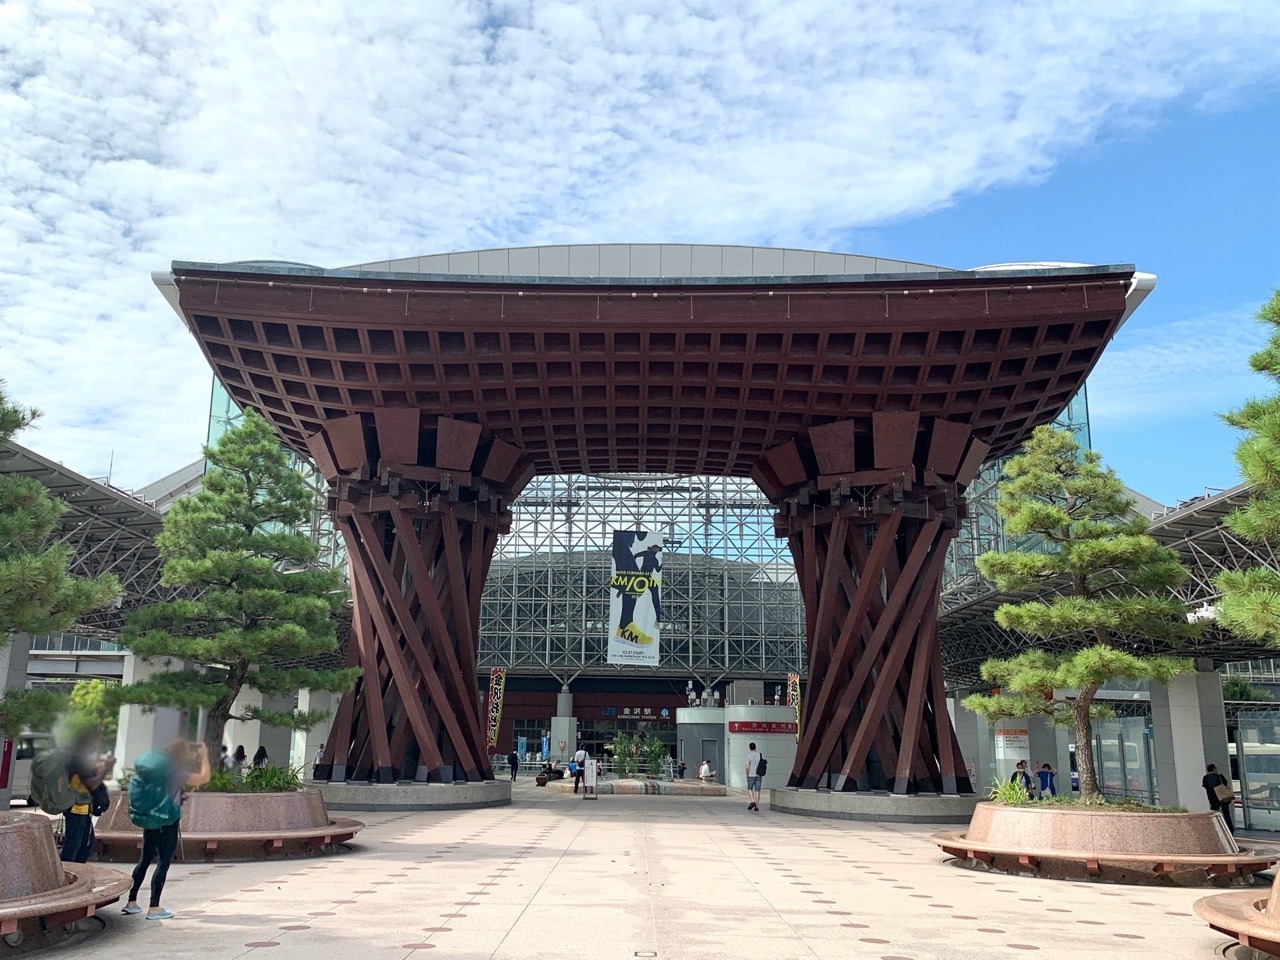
column 1191, row 195
column 138, row 132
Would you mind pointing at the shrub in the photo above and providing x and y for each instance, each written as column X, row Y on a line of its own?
column 654, row 752
column 1013, row 794
column 625, row 750
column 1009, row 792
column 268, row 779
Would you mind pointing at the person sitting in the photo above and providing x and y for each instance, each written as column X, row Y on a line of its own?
column 705, row 773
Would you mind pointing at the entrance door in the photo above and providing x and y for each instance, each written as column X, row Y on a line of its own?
column 709, row 750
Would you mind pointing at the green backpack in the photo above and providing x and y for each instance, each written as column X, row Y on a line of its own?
column 51, row 784
column 151, row 805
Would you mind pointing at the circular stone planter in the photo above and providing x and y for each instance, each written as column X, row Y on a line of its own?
column 40, row 895
column 1074, row 843
column 872, row 806
column 416, row 796
column 638, row 787
column 1252, row 919
column 235, row 826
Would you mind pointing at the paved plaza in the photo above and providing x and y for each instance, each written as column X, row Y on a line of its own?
column 635, row 877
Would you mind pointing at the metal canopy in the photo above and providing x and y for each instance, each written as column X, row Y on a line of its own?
column 108, row 530
column 1194, row 528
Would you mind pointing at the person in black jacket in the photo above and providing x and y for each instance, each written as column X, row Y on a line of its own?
column 1211, row 782
column 513, row 761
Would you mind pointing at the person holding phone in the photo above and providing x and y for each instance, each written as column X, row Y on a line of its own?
column 169, row 776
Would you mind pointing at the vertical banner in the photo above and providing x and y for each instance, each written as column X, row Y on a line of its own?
column 635, row 607
column 497, row 687
column 793, row 698
column 546, row 746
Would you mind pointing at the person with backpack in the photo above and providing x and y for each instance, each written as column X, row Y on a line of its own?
column 756, row 766
column 155, row 805
column 66, row 781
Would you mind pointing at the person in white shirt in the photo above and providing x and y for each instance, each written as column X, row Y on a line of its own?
column 315, row 762
column 753, row 778
column 579, row 767
column 705, row 772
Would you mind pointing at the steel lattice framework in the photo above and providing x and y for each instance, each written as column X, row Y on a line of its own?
column 729, row 595
column 108, row 530
column 1194, row 528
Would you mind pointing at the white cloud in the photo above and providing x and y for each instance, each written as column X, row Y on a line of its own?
column 136, row 133
column 1153, row 374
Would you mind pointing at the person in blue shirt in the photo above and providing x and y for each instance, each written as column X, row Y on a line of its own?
column 1048, row 780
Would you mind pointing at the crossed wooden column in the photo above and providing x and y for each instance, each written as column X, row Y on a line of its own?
column 868, row 518
column 420, row 506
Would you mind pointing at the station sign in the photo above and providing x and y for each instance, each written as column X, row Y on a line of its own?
column 762, row 726
column 637, row 713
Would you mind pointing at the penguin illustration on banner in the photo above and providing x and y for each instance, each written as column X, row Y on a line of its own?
column 635, row 602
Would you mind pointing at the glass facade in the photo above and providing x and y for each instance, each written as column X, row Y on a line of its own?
column 1255, row 763
column 224, row 414
column 984, row 530
column 72, row 643
column 729, row 596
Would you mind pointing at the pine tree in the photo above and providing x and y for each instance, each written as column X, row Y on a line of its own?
column 1113, row 582
column 1250, row 601
column 256, row 605
column 37, row 595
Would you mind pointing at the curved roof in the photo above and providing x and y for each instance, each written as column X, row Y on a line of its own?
column 647, row 260
column 668, row 358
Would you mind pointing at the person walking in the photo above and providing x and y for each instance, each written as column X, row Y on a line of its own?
column 240, row 758
column 1222, row 798
column 155, row 804
column 579, row 767
column 513, row 761
column 1048, row 778
column 753, row 777
column 260, row 759
column 316, row 761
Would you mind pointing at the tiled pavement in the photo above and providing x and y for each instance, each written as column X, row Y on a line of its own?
column 638, row 877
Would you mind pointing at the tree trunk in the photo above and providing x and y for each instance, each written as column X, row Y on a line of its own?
column 215, row 722
column 1089, row 791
